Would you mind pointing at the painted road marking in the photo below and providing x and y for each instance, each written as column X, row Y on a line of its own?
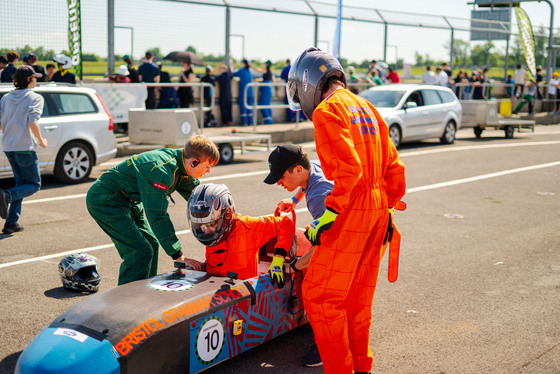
column 408, row 191
column 261, row 172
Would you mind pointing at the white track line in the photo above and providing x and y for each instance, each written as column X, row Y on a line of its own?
column 88, row 249
column 408, row 191
column 405, row 154
column 480, row 177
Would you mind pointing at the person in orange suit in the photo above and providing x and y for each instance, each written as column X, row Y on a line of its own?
column 357, row 154
column 233, row 241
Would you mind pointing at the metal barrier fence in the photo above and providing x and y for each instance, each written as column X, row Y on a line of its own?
column 255, row 106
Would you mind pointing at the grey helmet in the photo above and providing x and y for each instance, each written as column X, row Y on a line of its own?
column 210, row 213
column 78, row 272
column 308, row 75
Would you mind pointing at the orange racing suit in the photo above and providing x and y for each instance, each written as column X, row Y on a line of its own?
column 356, row 153
column 239, row 252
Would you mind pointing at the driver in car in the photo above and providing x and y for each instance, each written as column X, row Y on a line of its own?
column 233, row 241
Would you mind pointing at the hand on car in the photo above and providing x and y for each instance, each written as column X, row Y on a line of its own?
column 193, row 264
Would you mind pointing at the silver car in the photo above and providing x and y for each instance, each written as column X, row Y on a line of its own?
column 415, row 111
column 78, row 129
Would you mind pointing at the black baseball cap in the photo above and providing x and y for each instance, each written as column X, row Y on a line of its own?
column 282, row 158
column 25, row 71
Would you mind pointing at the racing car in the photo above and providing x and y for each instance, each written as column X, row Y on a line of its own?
column 180, row 321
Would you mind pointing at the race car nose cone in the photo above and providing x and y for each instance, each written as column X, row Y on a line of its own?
column 63, row 350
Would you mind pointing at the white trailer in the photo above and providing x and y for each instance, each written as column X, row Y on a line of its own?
column 480, row 114
column 173, row 127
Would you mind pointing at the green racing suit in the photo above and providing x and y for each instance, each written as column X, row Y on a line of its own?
column 129, row 202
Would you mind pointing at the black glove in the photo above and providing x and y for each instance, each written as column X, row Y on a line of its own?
column 389, row 233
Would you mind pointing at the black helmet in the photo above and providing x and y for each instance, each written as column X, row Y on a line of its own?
column 78, row 272
column 210, row 213
column 307, row 77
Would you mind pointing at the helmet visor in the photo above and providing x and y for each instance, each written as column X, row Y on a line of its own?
column 291, row 94
column 208, row 232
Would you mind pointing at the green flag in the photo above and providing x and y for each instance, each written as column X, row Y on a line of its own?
column 527, row 40
column 75, row 35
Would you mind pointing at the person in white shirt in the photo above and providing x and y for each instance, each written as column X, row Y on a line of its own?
column 429, row 76
column 519, row 78
column 553, row 85
column 442, row 79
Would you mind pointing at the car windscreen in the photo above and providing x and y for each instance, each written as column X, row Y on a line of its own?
column 382, row 99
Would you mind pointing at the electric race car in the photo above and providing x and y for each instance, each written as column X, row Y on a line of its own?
column 180, row 321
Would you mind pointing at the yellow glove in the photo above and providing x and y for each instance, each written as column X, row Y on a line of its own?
column 276, row 271
column 320, row 225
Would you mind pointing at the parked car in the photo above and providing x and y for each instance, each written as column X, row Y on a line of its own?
column 78, row 129
column 415, row 111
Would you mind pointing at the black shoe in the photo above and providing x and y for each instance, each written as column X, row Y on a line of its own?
column 362, row 372
column 312, row 359
column 11, row 227
column 4, row 202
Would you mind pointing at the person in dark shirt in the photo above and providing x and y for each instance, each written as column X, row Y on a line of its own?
column 3, row 63
column 32, row 58
column 63, row 75
column 50, row 72
column 132, row 69
column 10, row 70
column 208, row 92
column 186, row 93
column 167, row 95
column 148, row 72
column 224, row 82
column 539, row 80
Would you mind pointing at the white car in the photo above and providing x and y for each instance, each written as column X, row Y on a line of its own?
column 78, row 129
column 415, row 111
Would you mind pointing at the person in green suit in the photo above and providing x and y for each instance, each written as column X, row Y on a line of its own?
column 129, row 202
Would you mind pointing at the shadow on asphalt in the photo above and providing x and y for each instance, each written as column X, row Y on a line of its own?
column 62, row 293
column 8, row 363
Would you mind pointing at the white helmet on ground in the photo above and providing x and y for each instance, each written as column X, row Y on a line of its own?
column 78, row 272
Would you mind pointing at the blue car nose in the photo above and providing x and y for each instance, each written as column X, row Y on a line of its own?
column 64, row 350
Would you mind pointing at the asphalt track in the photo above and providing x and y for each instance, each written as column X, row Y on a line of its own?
column 479, row 278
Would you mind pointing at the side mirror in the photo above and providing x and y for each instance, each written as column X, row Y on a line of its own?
column 410, row 105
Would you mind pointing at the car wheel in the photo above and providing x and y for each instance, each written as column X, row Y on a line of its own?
column 74, row 163
column 449, row 133
column 395, row 135
column 509, row 132
column 226, row 153
column 478, row 131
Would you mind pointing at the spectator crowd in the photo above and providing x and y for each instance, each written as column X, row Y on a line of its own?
column 521, row 87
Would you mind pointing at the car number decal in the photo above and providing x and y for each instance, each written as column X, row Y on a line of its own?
column 170, row 285
column 210, row 340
